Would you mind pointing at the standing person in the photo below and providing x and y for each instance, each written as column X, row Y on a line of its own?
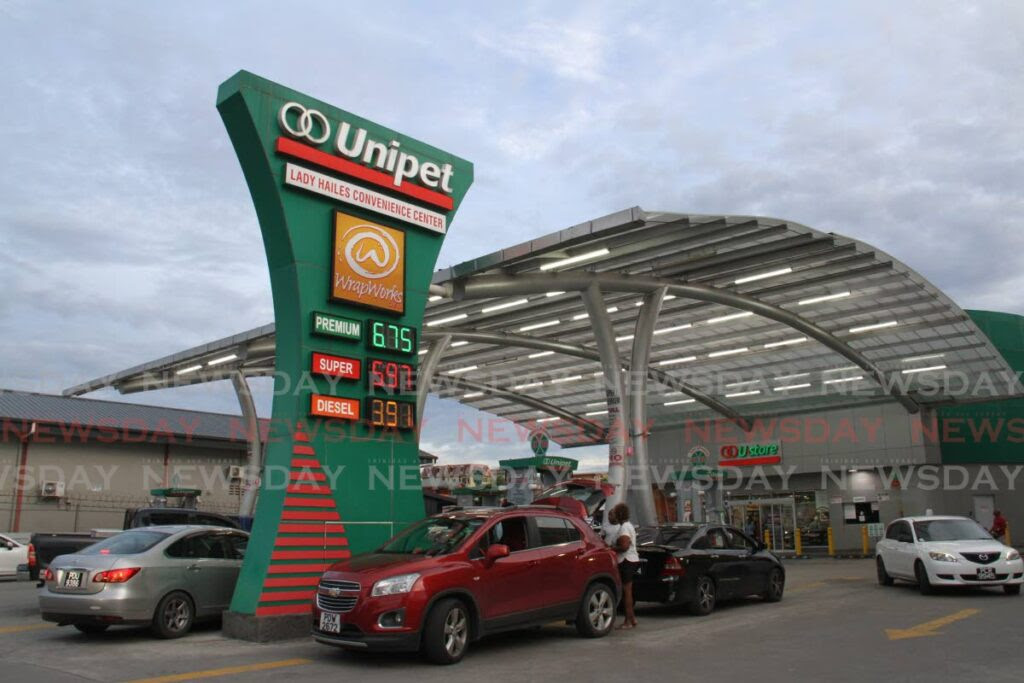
column 998, row 529
column 624, row 544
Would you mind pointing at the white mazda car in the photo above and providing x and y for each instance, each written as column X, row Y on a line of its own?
column 946, row 551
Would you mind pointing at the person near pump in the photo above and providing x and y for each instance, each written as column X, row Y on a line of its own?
column 998, row 529
column 621, row 535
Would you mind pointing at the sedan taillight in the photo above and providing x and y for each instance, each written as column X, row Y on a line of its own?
column 31, row 556
column 116, row 575
column 673, row 567
column 48, row 574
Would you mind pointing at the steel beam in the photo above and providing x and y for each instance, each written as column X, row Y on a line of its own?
column 492, row 286
column 426, row 371
column 640, row 494
column 254, row 467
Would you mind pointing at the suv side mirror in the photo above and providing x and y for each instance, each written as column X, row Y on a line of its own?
column 495, row 552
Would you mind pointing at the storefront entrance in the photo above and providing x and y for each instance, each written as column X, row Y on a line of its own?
column 777, row 516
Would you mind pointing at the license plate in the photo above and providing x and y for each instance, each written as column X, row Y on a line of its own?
column 330, row 623
column 986, row 574
column 73, row 580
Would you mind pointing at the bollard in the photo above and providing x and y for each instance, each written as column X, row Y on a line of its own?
column 798, row 542
column 768, row 538
column 864, row 543
column 1008, row 541
column 831, row 542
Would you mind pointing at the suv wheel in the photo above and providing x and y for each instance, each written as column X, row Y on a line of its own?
column 704, row 597
column 597, row 612
column 446, row 634
column 174, row 616
column 883, row 576
column 776, row 585
column 923, row 584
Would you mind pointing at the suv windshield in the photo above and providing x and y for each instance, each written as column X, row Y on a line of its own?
column 434, row 536
column 951, row 530
column 126, row 543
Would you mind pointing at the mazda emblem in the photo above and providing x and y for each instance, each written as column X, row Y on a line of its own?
column 983, row 557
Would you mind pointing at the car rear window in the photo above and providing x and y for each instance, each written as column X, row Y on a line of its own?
column 126, row 543
column 677, row 537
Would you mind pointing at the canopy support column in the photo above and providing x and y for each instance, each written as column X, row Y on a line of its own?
column 604, row 335
column 427, row 370
column 641, row 495
column 254, row 468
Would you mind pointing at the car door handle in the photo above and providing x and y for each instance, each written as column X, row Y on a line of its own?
column 193, row 567
column 713, row 557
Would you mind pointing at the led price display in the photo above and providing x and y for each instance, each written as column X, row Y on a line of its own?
column 391, row 414
column 390, row 376
column 387, row 336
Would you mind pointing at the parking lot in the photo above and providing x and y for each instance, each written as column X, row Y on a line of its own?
column 835, row 623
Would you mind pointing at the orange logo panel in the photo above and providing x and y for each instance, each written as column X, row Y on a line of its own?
column 368, row 265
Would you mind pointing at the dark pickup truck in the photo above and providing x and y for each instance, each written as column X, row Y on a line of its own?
column 43, row 547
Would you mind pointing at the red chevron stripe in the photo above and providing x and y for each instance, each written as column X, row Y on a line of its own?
column 306, row 463
column 308, row 487
column 278, row 596
column 316, row 541
column 302, row 450
column 309, row 502
column 302, row 608
column 311, row 515
column 317, row 567
column 310, row 554
column 308, row 476
column 301, row 436
column 311, row 528
column 291, row 581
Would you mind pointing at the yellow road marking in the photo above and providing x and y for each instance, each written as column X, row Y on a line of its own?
column 20, row 629
column 225, row 671
column 929, row 628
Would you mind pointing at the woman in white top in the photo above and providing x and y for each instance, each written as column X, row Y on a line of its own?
column 625, row 546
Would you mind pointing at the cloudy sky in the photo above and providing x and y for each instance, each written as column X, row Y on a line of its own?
column 127, row 232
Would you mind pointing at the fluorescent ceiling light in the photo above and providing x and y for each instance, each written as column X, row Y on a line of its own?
column 679, row 403
column 669, row 297
column 474, row 394
column 597, row 253
column 501, row 307
column 730, row 352
column 597, row 412
column 673, row 361
column 794, row 376
column 223, row 359
column 597, row 403
column 551, row 294
column 191, row 368
column 457, row 371
column 625, row 337
column 537, row 326
column 839, row 380
column 875, row 326
column 548, row 419
column 459, row 343
column 731, row 316
column 785, row 342
column 745, row 382
column 736, row 394
column 449, row 319
column 928, row 357
column 911, row 371
column 842, row 369
column 528, row 385
column 422, row 352
column 792, row 386
column 666, row 330
column 819, row 299
column 639, row 303
column 541, row 354
column 581, row 316
column 558, row 380
column 761, row 276
column 435, row 298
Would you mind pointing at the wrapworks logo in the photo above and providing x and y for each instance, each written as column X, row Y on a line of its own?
column 368, row 265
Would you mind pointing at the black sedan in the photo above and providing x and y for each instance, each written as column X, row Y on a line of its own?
column 696, row 565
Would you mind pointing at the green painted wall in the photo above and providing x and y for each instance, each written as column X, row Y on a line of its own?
column 297, row 228
column 990, row 432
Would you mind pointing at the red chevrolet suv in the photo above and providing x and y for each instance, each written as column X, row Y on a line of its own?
column 458, row 576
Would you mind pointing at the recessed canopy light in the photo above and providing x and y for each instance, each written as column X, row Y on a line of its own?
column 875, row 326
column 819, row 299
column 503, row 306
column 625, row 337
column 422, row 352
column 933, row 368
column 581, row 316
column 743, row 383
column 537, row 326
column 597, row 412
column 191, row 368
column 541, row 354
column 551, row 294
column 673, row 361
column 785, row 342
column 639, row 303
column 676, row 328
column 548, row 419
column 842, row 369
column 457, row 371
column 930, row 356
column 762, row 276
column 840, row 380
column 459, row 343
column 596, row 403
column 730, row 352
column 669, row 297
column 736, row 394
column 528, row 385
column 559, row 380
column 852, row 470
column 793, row 376
column 435, row 298
column 679, row 403
column 790, row 387
column 731, row 316
column 597, row 253
column 474, row 394
column 223, row 359
column 449, row 319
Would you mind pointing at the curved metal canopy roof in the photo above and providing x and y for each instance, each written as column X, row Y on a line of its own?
column 758, row 317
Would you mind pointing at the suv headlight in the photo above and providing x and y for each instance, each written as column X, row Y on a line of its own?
column 943, row 557
column 1012, row 555
column 395, row 585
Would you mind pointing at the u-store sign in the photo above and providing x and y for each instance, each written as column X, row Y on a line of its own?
column 750, row 454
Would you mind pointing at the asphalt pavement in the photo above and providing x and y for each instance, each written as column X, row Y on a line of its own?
column 834, row 624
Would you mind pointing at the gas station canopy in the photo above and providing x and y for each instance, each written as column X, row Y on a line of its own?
column 736, row 317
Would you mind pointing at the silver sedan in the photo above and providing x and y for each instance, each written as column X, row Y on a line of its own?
column 167, row 577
